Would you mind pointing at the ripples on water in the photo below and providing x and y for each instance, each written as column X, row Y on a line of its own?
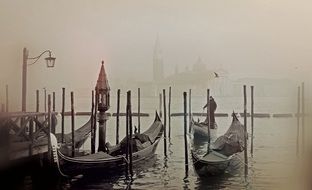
column 274, row 148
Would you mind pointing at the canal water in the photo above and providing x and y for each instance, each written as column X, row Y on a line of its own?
column 272, row 166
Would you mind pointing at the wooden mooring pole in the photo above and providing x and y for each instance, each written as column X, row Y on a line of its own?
column 45, row 100
column 95, row 117
column 245, row 132
column 190, row 109
column 185, row 132
column 208, row 120
column 160, row 100
column 63, row 115
column 37, row 100
column 92, row 124
column 127, row 136
column 53, row 101
column 72, row 123
column 139, row 110
column 298, row 121
column 252, row 119
column 49, row 128
column 303, row 118
column 31, row 136
column 53, row 116
column 37, row 107
column 7, row 98
column 130, row 132
column 169, row 113
column 165, row 123
column 117, row 116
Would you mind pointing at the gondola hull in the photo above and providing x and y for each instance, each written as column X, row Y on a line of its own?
column 109, row 164
column 209, row 168
column 221, row 152
column 105, row 166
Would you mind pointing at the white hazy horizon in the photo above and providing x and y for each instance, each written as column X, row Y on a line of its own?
column 261, row 38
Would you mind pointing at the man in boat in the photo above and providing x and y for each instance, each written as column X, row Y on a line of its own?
column 212, row 110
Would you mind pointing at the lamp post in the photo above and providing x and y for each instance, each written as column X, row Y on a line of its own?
column 50, row 61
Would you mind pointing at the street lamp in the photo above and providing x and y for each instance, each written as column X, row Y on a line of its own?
column 50, row 61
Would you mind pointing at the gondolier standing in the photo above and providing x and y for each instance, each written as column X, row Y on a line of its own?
column 213, row 108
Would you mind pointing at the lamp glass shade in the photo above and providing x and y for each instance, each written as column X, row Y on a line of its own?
column 50, row 61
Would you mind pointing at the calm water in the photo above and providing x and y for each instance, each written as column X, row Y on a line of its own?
column 270, row 166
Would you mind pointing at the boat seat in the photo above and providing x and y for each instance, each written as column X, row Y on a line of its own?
column 98, row 155
column 214, row 157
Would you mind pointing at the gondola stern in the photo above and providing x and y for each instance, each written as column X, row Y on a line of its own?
column 54, row 147
column 157, row 117
column 234, row 116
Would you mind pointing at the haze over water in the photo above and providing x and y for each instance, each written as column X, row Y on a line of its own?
column 271, row 167
column 264, row 43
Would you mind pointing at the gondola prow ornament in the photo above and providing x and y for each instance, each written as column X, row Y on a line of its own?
column 103, row 100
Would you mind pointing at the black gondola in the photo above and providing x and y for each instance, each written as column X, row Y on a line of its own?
column 221, row 152
column 114, row 161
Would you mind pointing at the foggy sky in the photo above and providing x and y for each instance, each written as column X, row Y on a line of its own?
column 259, row 38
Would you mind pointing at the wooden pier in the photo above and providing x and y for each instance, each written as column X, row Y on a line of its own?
column 24, row 135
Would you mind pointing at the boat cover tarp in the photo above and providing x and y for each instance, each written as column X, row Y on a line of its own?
column 139, row 141
column 81, row 135
column 232, row 141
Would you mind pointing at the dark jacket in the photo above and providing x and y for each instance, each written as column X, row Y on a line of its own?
column 212, row 110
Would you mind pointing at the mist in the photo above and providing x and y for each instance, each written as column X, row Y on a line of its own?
column 266, row 39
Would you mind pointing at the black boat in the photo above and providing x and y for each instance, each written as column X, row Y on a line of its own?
column 200, row 129
column 222, row 151
column 114, row 161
